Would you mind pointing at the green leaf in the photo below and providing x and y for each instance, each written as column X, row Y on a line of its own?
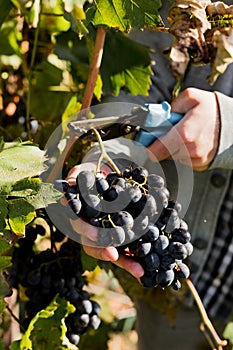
column 20, row 214
column 26, row 187
column 15, row 345
column 3, row 213
column 5, row 6
column 52, row 319
column 45, row 196
column 228, row 332
column 123, row 15
column 1, row 143
column 125, row 66
column 10, row 37
column 5, row 261
column 4, row 245
column 136, row 80
column 20, row 160
column 46, row 74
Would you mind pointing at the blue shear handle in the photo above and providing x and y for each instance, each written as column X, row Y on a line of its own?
column 158, row 122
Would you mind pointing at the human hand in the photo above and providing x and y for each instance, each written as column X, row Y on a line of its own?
column 89, row 233
column 198, row 130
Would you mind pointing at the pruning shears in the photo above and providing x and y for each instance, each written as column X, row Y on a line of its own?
column 146, row 124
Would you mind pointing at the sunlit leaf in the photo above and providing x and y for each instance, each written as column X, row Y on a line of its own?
column 128, row 68
column 52, row 319
column 228, row 332
column 20, row 160
column 20, row 214
column 124, row 15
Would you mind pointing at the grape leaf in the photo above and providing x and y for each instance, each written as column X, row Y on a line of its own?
column 20, row 213
column 136, row 80
column 52, row 319
column 18, row 161
column 5, row 261
column 4, row 245
column 5, row 7
column 3, row 213
column 123, row 15
column 46, row 195
column 120, row 68
column 228, row 332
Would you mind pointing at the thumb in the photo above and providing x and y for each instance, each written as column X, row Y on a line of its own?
column 185, row 101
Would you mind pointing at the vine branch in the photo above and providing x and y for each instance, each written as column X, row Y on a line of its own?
column 206, row 323
column 103, row 154
column 87, row 98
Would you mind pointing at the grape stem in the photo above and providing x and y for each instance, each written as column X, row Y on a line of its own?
column 206, row 325
column 104, row 155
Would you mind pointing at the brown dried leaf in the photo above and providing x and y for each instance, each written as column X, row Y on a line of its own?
column 222, row 41
column 188, row 23
column 219, row 8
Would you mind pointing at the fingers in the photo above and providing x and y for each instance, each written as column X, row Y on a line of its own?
column 87, row 230
column 133, row 267
column 111, row 254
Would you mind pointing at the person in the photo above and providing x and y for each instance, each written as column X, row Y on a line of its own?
column 206, row 131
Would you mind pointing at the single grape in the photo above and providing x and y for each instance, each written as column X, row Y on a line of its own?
column 102, row 184
column 165, row 277
column 139, row 174
column 134, row 193
column 127, row 173
column 151, row 262
column 85, row 180
column 182, row 270
column 180, row 235
column 94, row 322
column 161, row 244
column 152, row 233
column 123, row 218
column 76, row 205
column 140, row 248
column 177, row 250
column 155, row 180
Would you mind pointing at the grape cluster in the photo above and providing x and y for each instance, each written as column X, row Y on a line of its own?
column 51, row 272
column 133, row 212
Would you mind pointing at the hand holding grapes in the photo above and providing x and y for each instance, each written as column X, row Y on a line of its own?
column 89, row 232
column 199, row 130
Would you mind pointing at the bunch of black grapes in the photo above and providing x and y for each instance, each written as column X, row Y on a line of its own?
column 133, row 212
column 51, row 272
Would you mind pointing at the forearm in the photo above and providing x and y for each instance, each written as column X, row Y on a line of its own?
column 224, row 156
